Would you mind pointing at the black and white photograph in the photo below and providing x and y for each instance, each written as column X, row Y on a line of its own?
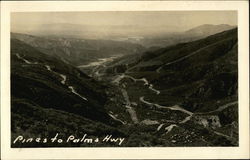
column 149, row 79
column 124, row 79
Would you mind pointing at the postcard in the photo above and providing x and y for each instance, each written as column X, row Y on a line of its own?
column 124, row 80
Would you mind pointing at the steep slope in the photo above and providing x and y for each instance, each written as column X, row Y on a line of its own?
column 78, row 51
column 49, row 97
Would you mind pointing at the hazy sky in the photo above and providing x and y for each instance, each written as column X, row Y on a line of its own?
column 167, row 20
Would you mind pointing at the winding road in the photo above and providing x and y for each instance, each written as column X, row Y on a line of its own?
column 130, row 109
column 220, row 108
column 146, row 83
column 115, row 118
column 175, row 107
column 64, row 77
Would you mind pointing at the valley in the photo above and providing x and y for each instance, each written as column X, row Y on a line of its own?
column 179, row 95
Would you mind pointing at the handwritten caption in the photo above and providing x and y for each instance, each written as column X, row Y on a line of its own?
column 70, row 139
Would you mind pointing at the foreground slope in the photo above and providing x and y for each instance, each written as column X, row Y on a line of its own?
column 49, row 97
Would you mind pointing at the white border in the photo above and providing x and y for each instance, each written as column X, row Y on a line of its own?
column 127, row 153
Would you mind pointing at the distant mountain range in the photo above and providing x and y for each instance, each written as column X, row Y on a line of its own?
column 94, row 31
column 208, row 29
column 186, row 36
column 144, row 35
column 78, row 51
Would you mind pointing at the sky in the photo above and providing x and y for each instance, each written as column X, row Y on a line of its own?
column 167, row 21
